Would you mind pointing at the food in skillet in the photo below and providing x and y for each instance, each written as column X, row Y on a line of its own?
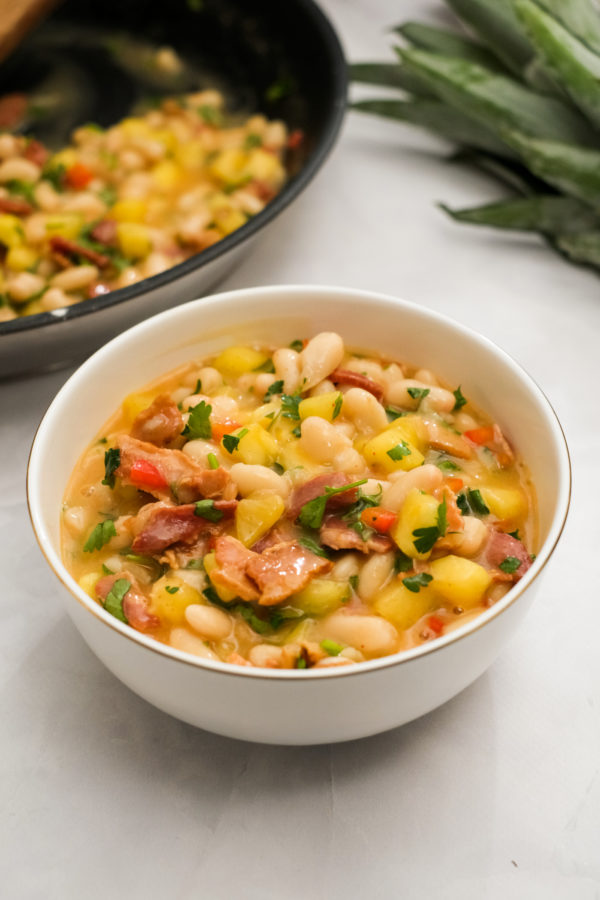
column 298, row 507
column 127, row 203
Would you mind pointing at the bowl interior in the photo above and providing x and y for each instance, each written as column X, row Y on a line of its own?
column 278, row 315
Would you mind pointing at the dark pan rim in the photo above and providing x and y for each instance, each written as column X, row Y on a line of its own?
column 338, row 71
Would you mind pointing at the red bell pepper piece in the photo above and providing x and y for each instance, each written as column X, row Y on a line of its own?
column 378, row 518
column 145, row 475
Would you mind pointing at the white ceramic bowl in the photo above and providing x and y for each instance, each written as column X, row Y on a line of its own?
column 318, row 705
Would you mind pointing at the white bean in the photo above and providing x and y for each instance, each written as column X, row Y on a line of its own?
column 184, row 640
column 438, row 399
column 46, row 197
column 323, row 387
column 472, row 538
column 367, row 414
column 287, row 368
column 19, row 169
column 75, row 519
column 263, row 382
column 320, row 357
column 349, row 460
column 427, row 377
column 333, row 662
column 9, row 146
column 24, row 285
column 426, row 478
column 154, row 264
column 55, row 298
column 85, row 202
column 193, row 577
column 198, row 450
column 75, row 278
column 250, row 478
column 211, row 379
column 266, row 656
column 346, row 566
column 372, row 635
column 374, row 574
column 321, row 440
column 211, row 623
column 368, row 367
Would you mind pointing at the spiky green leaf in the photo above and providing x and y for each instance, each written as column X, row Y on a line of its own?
column 448, row 43
column 495, row 22
column 391, row 75
column 580, row 17
column 545, row 214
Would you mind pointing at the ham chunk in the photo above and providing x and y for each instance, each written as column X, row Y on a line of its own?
column 445, row 440
column 135, row 602
column 283, row 570
column 338, row 535
column 164, row 525
column 501, row 545
column 232, row 560
column 185, row 480
column 159, row 424
column 314, row 488
column 355, row 379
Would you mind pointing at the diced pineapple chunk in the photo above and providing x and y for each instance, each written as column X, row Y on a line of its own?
column 66, row 225
column 402, row 607
column 236, row 361
column 264, row 414
column 210, row 564
column 291, row 456
column 459, row 581
column 256, row 447
column 321, row 597
column 231, row 167
column 88, row 583
column 505, row 503
column 265, row 166
column 405, row 455
column 166, row 175
column 414, row 430
column 256, row 514
column 134, row 239
column 134, row 403
column 134, row 127
column 169, row 598
column 21, row 258
column 66, row 158
column 228, row 220
column 132, row 210
column 323, row 405
column 419, row 510
column 11, row 230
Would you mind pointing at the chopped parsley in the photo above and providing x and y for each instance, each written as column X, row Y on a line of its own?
column 55, row 174
column 300, row 663
column 426, row 537
column 313, row 546
column 392, row 413
column 472, row 501
column 510, row 564
column 279, row 89
column 252, row 141
column 296, row 432
column 108, row 194
column 448, row 465
column 23, row 189
column 275, row 388
column 459, row 399
column 353, row 516
column 298, row 346
column 231, row 441
column 100, row 536
column 106, row 570
column 399, row 451
column 206, row 510
column 353, row 580
column 148, row 562
column 418, row 393
column 277, row 467
column 331, row 647
column 289, row 405
column 114, row 599
column 198, row 388
column 414, row 583
column 210, row 114
column 196, row 565
column 337, row 406
column 311, row 514
column 515, row 534
column 112, row 461
column 171, row 588
column 402, row 562
column 213, row 462
column 198, row 424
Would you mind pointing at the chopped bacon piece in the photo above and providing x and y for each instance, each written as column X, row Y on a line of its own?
column 135, row 602
column 64, row 247
column 338, row 535
column 12, row 110
column 308, row 491
column 501, row 545
column 295, row 139
column 283, row 570
column 190, row 481
column 105, row 232
column 454, row 517
column 283, row 531
column 160, row 423
column 167, row 525
column 355, row 379
column 36, row 153
column 501, row 448
column 238, row 660
column 232, row 560
column 441, row 438
column 16, row 206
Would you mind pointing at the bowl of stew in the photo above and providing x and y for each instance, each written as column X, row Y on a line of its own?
column 298, row 514
column 142, row 152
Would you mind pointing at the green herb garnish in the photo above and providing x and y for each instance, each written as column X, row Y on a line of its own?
column 100, row 536
column 477, row 503
column 289, row 405
column 313, row 546
column 171, row 589
column 114, row 599
column 251, row 141
column 414, row 583
column 213, row 462
column 399, row 451
column 337, row 406
column 426, row 537
column 198, row 388
column 148, row 562
column 206, row 510
column 55, row 174
column 510, row 564
column 106, row 570
column 311, row 514
column 108, row 194
column 392, row 413
column 231, row 441
column 196, row 565
column 275, row 388
column 447, row 465
column 300, row 663
column 298, row 346
column 210, row 114
column 459, row 399
column 23, row 189
column 418, row 393
column 515, row 534
column 198, row 424
column 331, row 647
column 112, row 461
column 402, row 562
column 353, row 581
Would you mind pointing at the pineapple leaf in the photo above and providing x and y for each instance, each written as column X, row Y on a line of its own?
column 495, row 22
column 573, row 170
column 568, row 61
column 581, row 248
column 448, row 43
column 391, row 75
column 435, row 116
column 542, row 213
column 497, row 101
column 579, row 17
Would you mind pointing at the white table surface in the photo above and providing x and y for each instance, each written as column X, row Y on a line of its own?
column 496, row 794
